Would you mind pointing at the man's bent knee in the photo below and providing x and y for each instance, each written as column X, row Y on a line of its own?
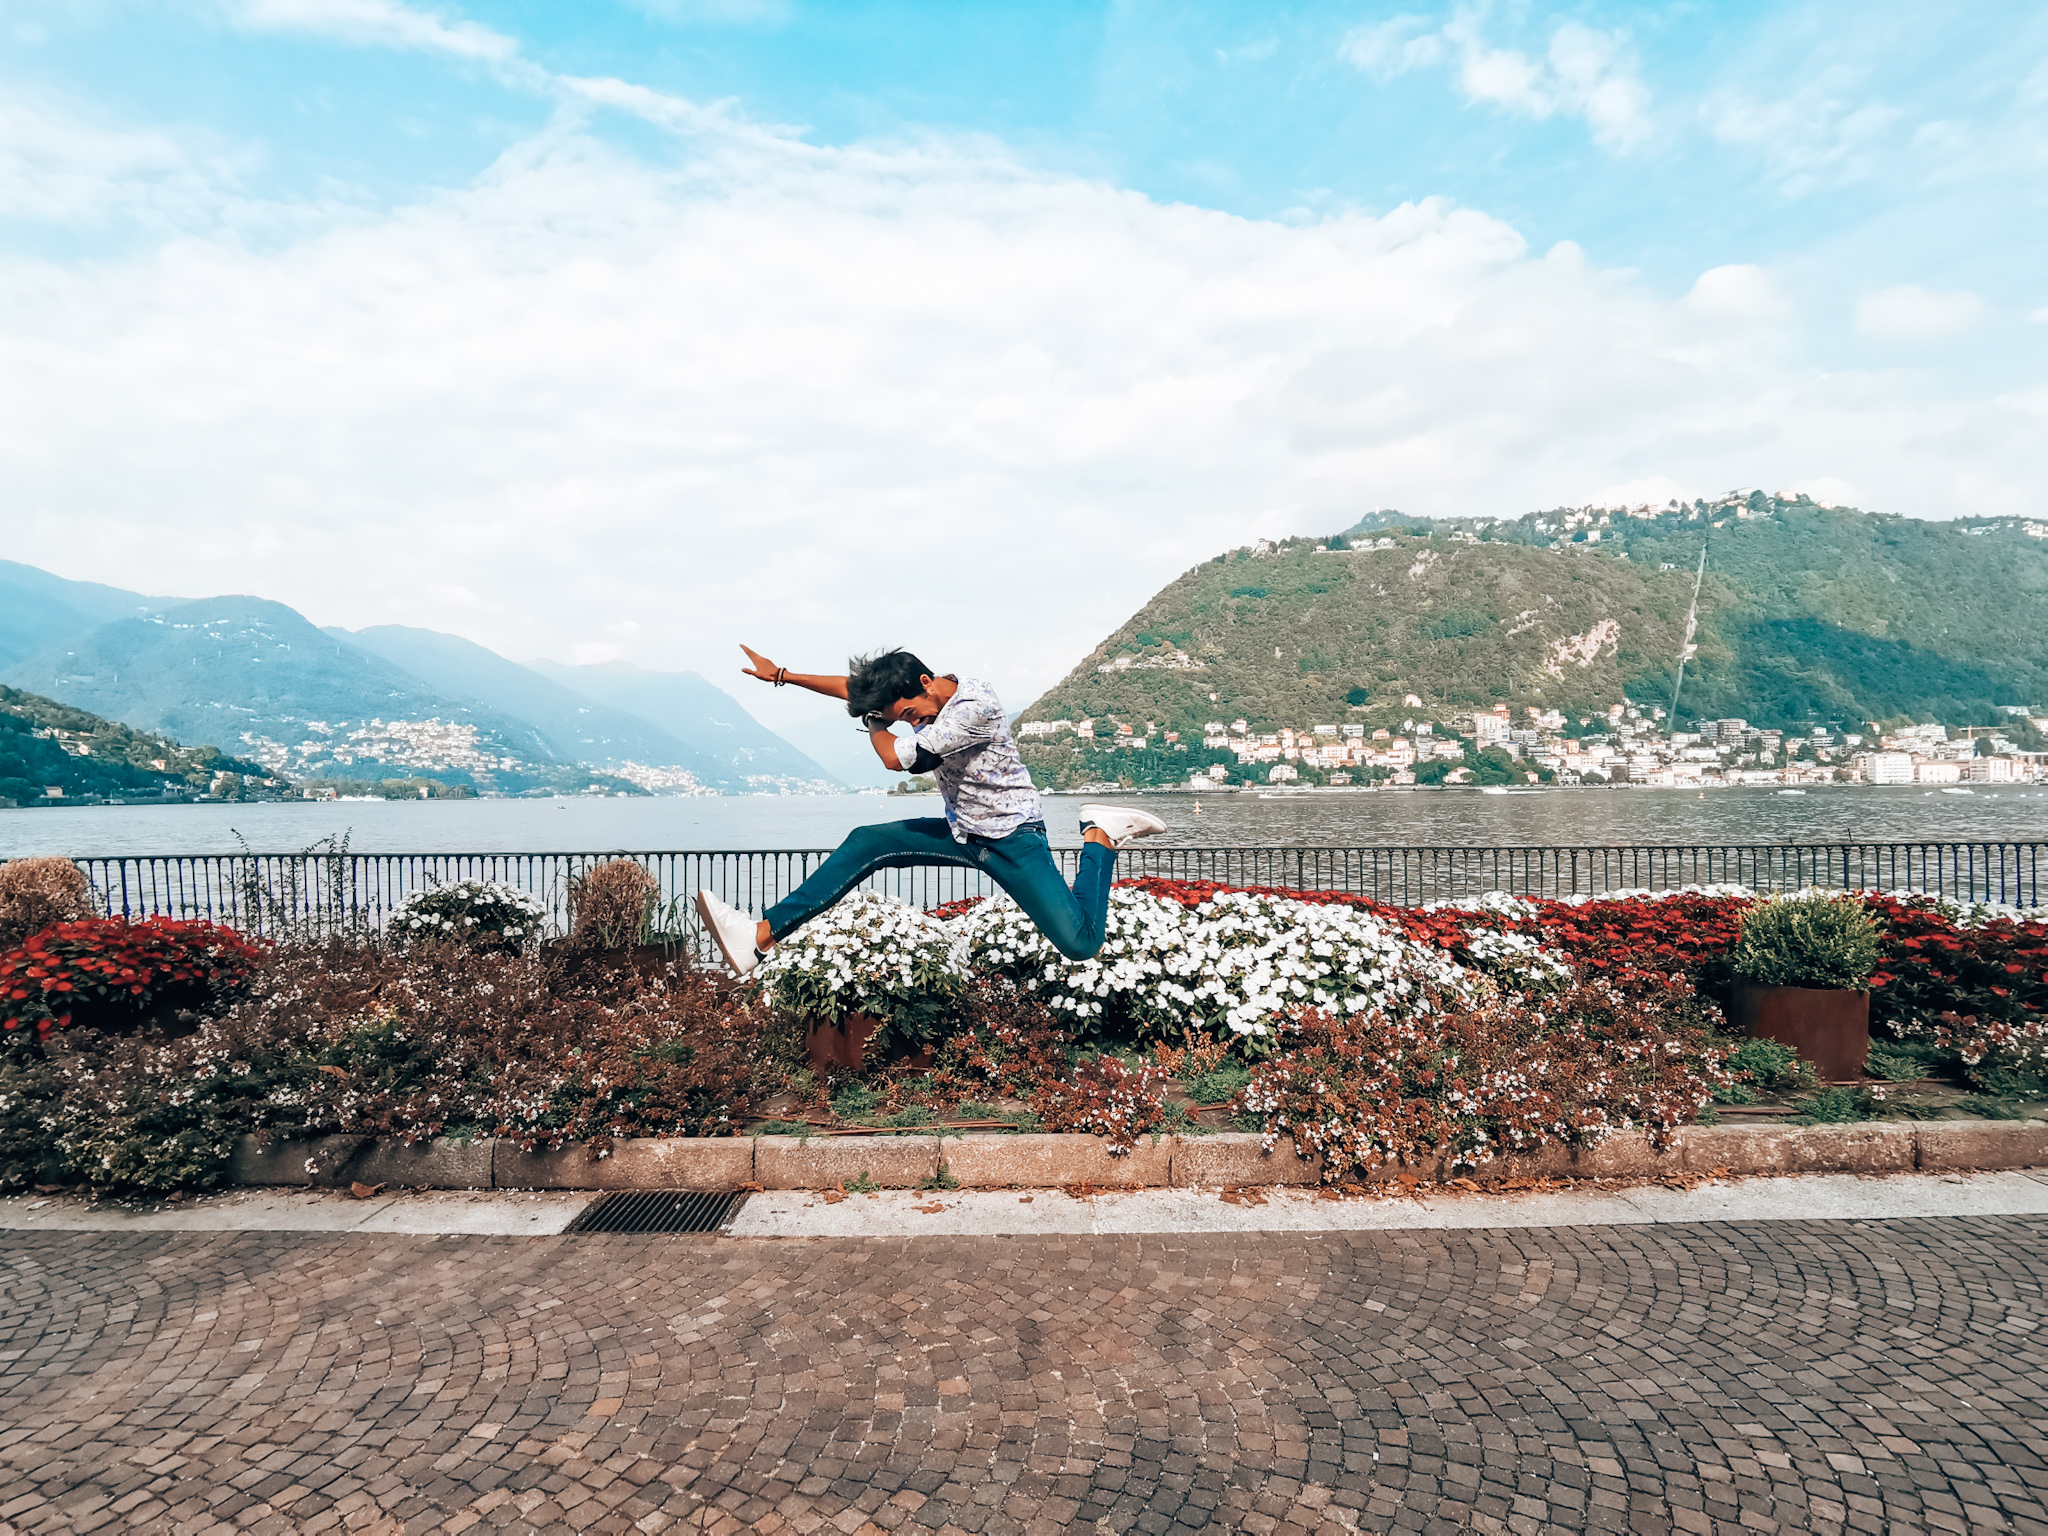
column 1075, row 948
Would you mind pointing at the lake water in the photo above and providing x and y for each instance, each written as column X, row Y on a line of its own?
column 1848, row 813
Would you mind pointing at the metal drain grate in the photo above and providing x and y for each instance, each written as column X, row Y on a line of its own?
column 660, row 1210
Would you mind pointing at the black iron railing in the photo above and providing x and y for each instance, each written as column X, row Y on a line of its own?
column 311, row 892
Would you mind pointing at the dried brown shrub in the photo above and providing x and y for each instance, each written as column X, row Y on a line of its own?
column 1469, row 1082
column 435, row 1039
column 612, row 904
column 34, row 893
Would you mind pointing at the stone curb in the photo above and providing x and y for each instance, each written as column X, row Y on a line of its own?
column 1037, row 1161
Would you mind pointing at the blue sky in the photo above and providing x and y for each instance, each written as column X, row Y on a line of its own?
column 1761, row 132
column 624, row 296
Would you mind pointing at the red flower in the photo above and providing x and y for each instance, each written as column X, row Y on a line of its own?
column 113, row 962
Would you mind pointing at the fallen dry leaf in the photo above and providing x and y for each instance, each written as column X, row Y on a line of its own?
column 361, row 1191
column 931, row 1210
column 334, row 1072
column 752, row 1189
column 1244, row 1194
column 834, row 1196
column 1024, row 1199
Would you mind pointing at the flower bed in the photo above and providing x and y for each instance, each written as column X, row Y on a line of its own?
column 1365, row 1033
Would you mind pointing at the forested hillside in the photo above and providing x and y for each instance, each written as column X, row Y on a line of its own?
column 1807, row 614
column 45, row 745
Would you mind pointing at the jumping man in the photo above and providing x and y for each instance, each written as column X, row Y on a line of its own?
column 993, row 821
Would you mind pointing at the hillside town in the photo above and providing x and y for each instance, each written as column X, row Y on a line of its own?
column 1628, row 746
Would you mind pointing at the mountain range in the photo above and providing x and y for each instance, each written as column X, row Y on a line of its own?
column 256, row 679
column 1807, row 614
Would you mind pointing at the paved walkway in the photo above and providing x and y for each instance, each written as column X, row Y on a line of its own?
column 1026, row 1213
column 1880, row 1375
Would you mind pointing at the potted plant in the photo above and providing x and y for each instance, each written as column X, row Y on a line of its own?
column 616, row 907
column 874, row 980
column 1802, row 977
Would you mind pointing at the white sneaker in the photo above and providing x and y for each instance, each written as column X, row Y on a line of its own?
column 732, row 930
column 1120, row 822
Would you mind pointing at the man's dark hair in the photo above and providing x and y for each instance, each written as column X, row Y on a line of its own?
column 875, row 682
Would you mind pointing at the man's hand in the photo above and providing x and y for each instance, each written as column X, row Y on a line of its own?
column 833, row 686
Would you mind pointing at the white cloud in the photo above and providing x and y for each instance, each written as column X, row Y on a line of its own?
column 1738, row 292
column 1815, row 134
column 1650, row 491
column 1911, row 313
column 377, row 23
column 820, row 399
column 1584, row 73
column 59, row 167
column 2039, row 316
column 725, row 13
column 1826, row 490
column 1395, row 47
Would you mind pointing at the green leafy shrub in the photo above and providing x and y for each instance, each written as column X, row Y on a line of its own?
column 1808, row 941
column 2007, row 1082
column 1768, row 1065
column 1838, row 1106
column 1897, row 1063
column 856, row 1101
column 1218, row 1086
column 1992, row 1107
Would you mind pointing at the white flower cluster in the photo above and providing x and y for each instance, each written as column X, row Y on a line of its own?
column 1492, row 904
column 1237, row 962
column 1518, row 961
column 1644, row 893
column 469, row 907
column 868, row 954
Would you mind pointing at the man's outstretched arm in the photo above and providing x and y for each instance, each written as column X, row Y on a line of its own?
column 833, row 686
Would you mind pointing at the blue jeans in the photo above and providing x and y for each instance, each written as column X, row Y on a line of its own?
column 1021, row 864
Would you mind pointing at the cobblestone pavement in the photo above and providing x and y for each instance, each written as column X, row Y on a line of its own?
column 1803, row 1376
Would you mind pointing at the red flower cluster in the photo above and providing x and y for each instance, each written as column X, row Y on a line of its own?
column 109, row 965
column 1995, row 971
column 1635, row 940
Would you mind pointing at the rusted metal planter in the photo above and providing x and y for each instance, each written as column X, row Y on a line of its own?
column 1829, row 1028
column 839, row 1046
column 844, row 1046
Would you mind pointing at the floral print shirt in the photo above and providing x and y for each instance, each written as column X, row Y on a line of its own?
column 968, row 749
